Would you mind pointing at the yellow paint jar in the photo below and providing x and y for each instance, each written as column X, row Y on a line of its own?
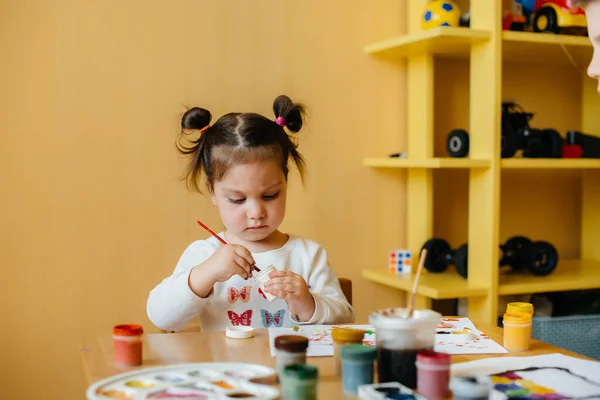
column 517, row 331
column 342, row 337
column 519, row 307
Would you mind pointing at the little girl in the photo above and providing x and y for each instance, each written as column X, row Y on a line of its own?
column 244, row 157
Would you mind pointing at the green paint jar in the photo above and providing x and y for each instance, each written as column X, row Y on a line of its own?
column 299, row 382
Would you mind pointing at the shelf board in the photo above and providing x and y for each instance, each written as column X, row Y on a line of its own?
column 443, row 41
column 446, row 285
column 546, row 48
column 568, row 275
column 550, row 163
column 441, row 162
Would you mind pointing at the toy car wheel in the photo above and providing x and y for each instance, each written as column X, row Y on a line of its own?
column 514, row 246
column 542, row 258
column 437, row 251
column 546, row 20
column 457, row 143
column 461, row 259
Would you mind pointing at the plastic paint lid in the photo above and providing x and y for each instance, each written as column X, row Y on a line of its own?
column 291, row 343
column 239, row 332
column 517, row 318
column 433, row 357
column 300, row 371
column 397, row 318
column 519, row 307
column 358, row 352
column 347, row 335
column 128, row 330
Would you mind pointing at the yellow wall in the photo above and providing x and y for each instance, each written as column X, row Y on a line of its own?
column 93, row 214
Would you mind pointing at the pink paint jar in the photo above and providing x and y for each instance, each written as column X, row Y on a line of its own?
column 128, row 344
column 433, row 374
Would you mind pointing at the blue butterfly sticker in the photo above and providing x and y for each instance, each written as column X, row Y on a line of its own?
column 269, row 319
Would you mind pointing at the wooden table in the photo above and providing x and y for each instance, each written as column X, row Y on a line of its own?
column 175, row 348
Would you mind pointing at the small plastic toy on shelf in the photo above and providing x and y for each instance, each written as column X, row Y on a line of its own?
column 400, row 262
column 440, row 13
column 581, row 145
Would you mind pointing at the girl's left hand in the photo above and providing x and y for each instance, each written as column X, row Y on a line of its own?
column 293, row 289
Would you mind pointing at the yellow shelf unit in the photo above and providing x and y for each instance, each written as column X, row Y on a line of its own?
column 437, row 162
column 487, row 47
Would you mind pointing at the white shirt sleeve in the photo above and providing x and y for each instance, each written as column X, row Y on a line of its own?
column 331, row 306
column 172, row 304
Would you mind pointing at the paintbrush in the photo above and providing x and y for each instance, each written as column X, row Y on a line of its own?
column 221, row 240
column 413, row 294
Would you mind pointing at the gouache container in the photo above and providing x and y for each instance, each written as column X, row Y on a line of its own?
column 387, row 391
column 517, row 331
column 299, row 382
column 342, row 337
column 470, row 388
column 433, row 374
column 399, row 339
column 290, row 349
column 128, row 345
column 519, row 307
column 357, row 366
column 262, row 277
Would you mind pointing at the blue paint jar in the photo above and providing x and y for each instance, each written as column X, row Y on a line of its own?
column 357, row 366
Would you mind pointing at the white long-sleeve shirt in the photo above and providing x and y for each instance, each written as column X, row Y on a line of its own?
column 172, row 304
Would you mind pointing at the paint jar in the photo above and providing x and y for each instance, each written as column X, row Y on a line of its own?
column 128, row 344
column 342, row 337
column 299, row 382
column 357, row 366
column 517, row 331
column 433, row 374
column 399, row 339
column 262, row 277
column 519, row 307
column 469, row 388
column 290, row 349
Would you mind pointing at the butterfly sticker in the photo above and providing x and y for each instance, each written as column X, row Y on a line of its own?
column 245, row 319
column 269, row 319
column 243, row 294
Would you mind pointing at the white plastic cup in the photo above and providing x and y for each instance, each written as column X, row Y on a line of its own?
column 262, row 277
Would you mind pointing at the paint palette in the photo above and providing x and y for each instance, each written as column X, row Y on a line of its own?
column 199, row 381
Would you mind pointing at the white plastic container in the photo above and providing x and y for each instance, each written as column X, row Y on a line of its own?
column 262, row 277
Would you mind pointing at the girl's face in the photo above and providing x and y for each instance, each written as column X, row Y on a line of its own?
column 592, row 12
column 251, row 200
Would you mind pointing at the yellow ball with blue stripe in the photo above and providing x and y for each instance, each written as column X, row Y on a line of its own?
column 440, row 13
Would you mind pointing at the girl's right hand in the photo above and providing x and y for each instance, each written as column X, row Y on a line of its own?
column 229, row 260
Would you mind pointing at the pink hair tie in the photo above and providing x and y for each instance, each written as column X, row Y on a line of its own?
column 280, row 121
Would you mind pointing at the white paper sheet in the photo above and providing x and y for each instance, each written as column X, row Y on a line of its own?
column 320, row 343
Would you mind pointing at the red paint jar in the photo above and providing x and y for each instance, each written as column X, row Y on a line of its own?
column 128, row 344
column 433, row 374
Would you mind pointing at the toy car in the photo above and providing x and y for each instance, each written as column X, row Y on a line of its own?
column 516, row 135
column 554, row 16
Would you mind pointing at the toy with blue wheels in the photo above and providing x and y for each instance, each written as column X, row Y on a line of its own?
column 440, row 13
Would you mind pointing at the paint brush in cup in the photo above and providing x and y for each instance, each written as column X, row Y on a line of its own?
column 221, row 240
column 411, row 305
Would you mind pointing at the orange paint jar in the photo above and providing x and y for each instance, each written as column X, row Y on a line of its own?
column 128, row 344
column 517, row 331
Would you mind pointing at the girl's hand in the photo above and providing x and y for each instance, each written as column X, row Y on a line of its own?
column 227, row 261
column 293, row 289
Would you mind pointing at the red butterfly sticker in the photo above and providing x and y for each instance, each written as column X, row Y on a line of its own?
column 243, row 294
column 244, row 319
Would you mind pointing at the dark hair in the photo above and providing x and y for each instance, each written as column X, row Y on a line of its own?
column 238, row 138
